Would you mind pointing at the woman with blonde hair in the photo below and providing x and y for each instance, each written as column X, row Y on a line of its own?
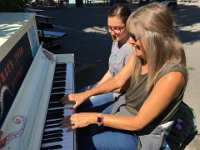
column 155, row 77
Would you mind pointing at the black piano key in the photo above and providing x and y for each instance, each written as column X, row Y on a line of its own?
column 60, row 69
column 52, row 147
column 52, row 140
column 58, row 90
column 54, row 117
column 61, row 65
column 56, row 97
column 59, row 78
column 52, row 132
column 55, row 114
column 60, row 74
column 53, row 126
column 55, row 105
column 59, row 84
column 56, row 78
column 52, row 136
column 55, row 111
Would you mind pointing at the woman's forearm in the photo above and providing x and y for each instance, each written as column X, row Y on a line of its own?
column 107, row 86
column 115, row 83
column 121, row 122
column 106, row 76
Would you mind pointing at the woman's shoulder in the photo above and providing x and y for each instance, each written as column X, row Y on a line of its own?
column 173, row 67
column 128, row 48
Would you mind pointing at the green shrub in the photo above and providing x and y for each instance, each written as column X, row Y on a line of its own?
column 13, row 5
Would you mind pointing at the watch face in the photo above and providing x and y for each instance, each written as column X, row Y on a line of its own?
column 99, row 119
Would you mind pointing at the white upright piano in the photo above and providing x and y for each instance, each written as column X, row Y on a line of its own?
column 32, row 81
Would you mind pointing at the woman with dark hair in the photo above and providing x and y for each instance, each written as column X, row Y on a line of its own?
column 120, row 52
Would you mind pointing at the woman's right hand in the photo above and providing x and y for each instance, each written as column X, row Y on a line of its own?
column 77, row 98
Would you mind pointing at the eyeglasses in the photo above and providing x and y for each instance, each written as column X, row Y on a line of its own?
column 135, row 37
column 137, row 46
column 115, row 29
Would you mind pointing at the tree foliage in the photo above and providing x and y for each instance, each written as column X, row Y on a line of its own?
column 13, row 5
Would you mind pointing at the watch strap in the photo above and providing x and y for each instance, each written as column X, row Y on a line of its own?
column 100, row 119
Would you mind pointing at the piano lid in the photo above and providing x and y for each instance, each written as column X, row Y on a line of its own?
column 21, row 121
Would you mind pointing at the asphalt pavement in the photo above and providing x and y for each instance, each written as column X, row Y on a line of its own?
column 88, row 40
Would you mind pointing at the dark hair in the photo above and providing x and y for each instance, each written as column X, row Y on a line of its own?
column 122, row 11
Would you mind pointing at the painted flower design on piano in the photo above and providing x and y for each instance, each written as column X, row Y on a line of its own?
column 48, row 55
column 19, row 120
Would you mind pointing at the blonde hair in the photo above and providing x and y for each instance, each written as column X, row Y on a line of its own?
column 155, row 24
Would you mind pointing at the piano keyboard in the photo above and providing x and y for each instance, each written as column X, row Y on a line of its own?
column 55, row 137
column 34, row 117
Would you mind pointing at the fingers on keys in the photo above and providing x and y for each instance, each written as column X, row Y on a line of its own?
column 68, row 123
column 65, row 101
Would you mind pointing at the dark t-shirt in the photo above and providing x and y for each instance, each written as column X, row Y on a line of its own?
column 136, row 95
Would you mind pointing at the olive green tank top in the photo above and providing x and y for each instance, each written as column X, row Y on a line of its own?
column 136, row 95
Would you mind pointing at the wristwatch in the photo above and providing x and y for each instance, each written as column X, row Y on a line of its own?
column 100, row 119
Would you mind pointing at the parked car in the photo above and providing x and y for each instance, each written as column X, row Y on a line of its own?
column 172, row 4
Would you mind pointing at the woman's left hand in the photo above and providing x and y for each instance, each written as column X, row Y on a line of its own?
column 79, row 120
column 77, row 99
